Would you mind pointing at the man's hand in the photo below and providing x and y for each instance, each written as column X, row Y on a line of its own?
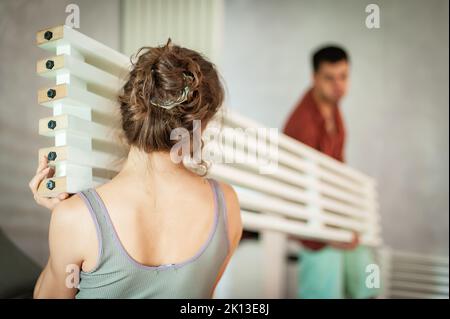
column 347, row 246
column 43, row 171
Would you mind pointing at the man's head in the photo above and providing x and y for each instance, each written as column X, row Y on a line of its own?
column 331, row 68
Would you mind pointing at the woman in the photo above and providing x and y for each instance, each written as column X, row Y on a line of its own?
column 156, row 230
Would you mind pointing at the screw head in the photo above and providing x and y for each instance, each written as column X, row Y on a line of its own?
column 51, row 93
column 50, row 184
column 49, row 64
column 51, row 124
column 51, row 156
column 48, row 35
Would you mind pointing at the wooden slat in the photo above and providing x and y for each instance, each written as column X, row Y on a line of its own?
column 46, row 94
column 419, row 258
column 291, row 210
column 105, row 82
column 71, row 123
column 414, row 277
column 65, row 184
column 79, row 156
column 302, row 150
column 56, row 34
column 415, row 268
column 258, row 222
column 288, row 174
column 60, row 186
column 269, row 185
column 419, row 287
column 43, row 66
column 94, row 52
column 74, row 96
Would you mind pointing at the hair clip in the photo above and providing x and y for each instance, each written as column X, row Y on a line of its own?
column 171, row 104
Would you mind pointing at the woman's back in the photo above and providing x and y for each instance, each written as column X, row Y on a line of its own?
column 165, row 249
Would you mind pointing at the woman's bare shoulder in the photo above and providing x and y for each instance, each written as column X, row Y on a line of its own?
column 74, row 214
column 71, row 207
column 71, row 222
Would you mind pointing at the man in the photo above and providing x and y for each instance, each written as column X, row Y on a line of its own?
column 333, row 270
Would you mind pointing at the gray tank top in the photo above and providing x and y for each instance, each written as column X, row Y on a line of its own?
column 118, row 275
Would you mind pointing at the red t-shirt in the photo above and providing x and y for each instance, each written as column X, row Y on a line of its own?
column 307, row 125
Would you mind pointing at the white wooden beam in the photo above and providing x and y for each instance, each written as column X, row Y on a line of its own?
column 95, row 78
column 50, row 125
column 73, row 155
column 72, row 95
column 94, row 52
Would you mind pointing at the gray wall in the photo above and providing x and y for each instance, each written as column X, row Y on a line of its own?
column 397, row 109
column 20, row 217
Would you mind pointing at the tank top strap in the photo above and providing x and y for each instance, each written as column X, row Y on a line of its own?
column 105, row 234
column 222, row 207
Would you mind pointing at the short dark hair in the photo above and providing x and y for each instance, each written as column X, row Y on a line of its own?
column 331, row 54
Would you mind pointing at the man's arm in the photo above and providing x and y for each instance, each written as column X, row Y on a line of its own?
column 59, row 278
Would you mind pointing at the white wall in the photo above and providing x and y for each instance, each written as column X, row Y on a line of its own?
column 397, row 109
column 196, row 24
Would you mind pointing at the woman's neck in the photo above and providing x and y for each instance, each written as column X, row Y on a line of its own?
column 142, row 165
